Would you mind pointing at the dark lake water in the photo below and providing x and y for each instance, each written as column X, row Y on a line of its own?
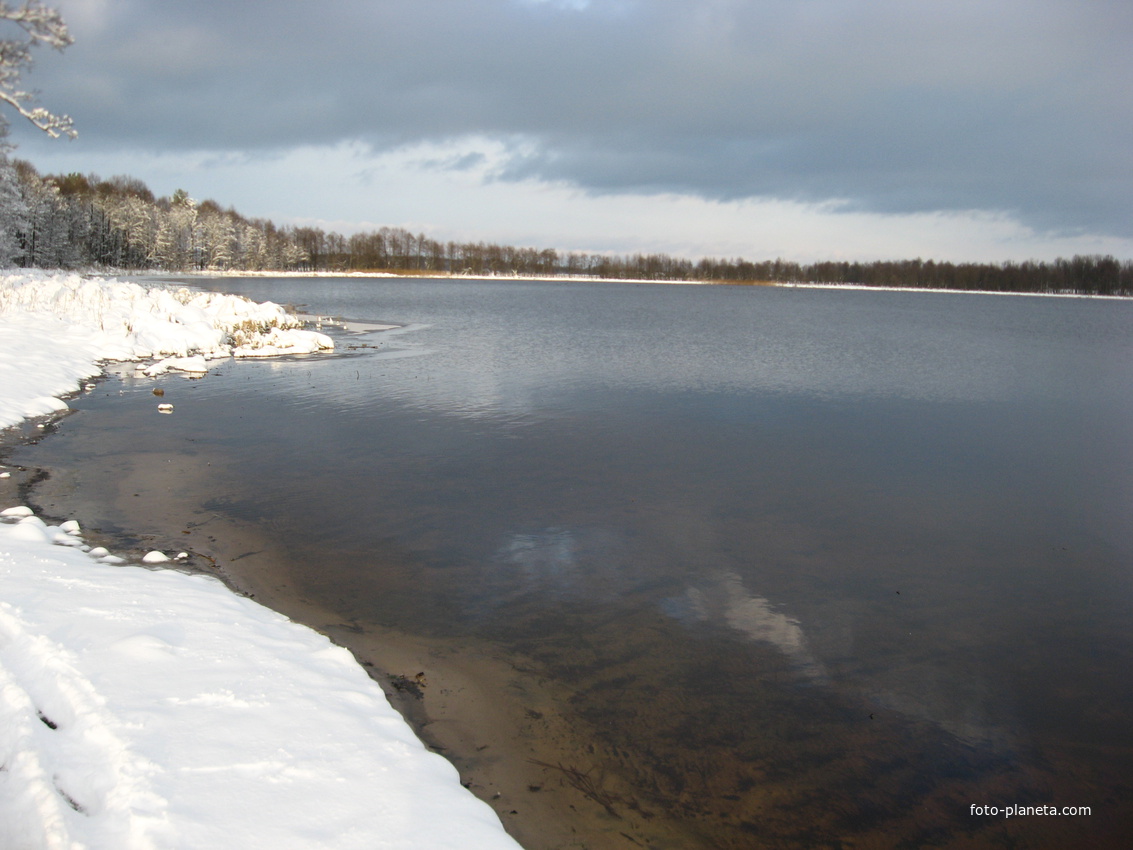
column 826, row 568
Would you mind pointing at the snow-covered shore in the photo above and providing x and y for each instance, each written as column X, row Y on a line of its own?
column 56, row 328
column 154, row 709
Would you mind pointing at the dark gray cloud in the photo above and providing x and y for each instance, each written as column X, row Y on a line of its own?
column 1025, row 107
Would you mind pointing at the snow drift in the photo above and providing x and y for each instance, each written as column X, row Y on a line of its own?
column 56, row 328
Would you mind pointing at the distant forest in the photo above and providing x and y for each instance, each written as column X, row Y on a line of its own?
column 82, row 221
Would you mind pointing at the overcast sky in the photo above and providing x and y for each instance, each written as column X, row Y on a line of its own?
column 806, row 129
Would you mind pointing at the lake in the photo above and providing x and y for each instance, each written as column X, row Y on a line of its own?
column 788, row 567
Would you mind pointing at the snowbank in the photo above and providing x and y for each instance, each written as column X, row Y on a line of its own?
column 56, row 328
column 152, row 709
column 156, row 709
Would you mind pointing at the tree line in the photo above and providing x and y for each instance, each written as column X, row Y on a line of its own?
column 83, row 221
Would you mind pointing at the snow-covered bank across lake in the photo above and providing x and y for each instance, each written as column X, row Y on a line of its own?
column 154, row 709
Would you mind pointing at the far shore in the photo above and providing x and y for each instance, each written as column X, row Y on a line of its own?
column 432, row 275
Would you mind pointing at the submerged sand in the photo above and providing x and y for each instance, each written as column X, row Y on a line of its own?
column 556, row 779
column 506, row 728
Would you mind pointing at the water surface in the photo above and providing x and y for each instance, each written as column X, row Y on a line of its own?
column 819, row 568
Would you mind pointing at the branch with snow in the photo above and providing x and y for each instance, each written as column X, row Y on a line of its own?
column 42, row 25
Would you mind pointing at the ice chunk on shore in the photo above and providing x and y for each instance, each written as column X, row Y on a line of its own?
column 195, row 364
column 286, row 341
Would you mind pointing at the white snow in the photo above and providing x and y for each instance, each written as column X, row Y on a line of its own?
column 56, row 328
column 152, row 709
column 194, row 364
column 278, row 341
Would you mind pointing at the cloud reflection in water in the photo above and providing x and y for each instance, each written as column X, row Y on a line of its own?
column 723, row 598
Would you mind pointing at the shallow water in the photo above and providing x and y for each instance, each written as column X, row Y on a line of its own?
column 817, row 568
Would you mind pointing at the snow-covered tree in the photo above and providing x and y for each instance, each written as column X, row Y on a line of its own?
column 13, row 214
column 39, row 205
column 255, row 247
column 41, row 25
column 132, row 221
column 183, row 228
column 218, row 240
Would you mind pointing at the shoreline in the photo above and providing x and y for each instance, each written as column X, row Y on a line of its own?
column 508, row 732
column 849, row 287
column 265, row 596
column 149, row 707
column 489, row 713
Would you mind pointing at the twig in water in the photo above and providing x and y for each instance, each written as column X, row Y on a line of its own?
column 582, row 781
